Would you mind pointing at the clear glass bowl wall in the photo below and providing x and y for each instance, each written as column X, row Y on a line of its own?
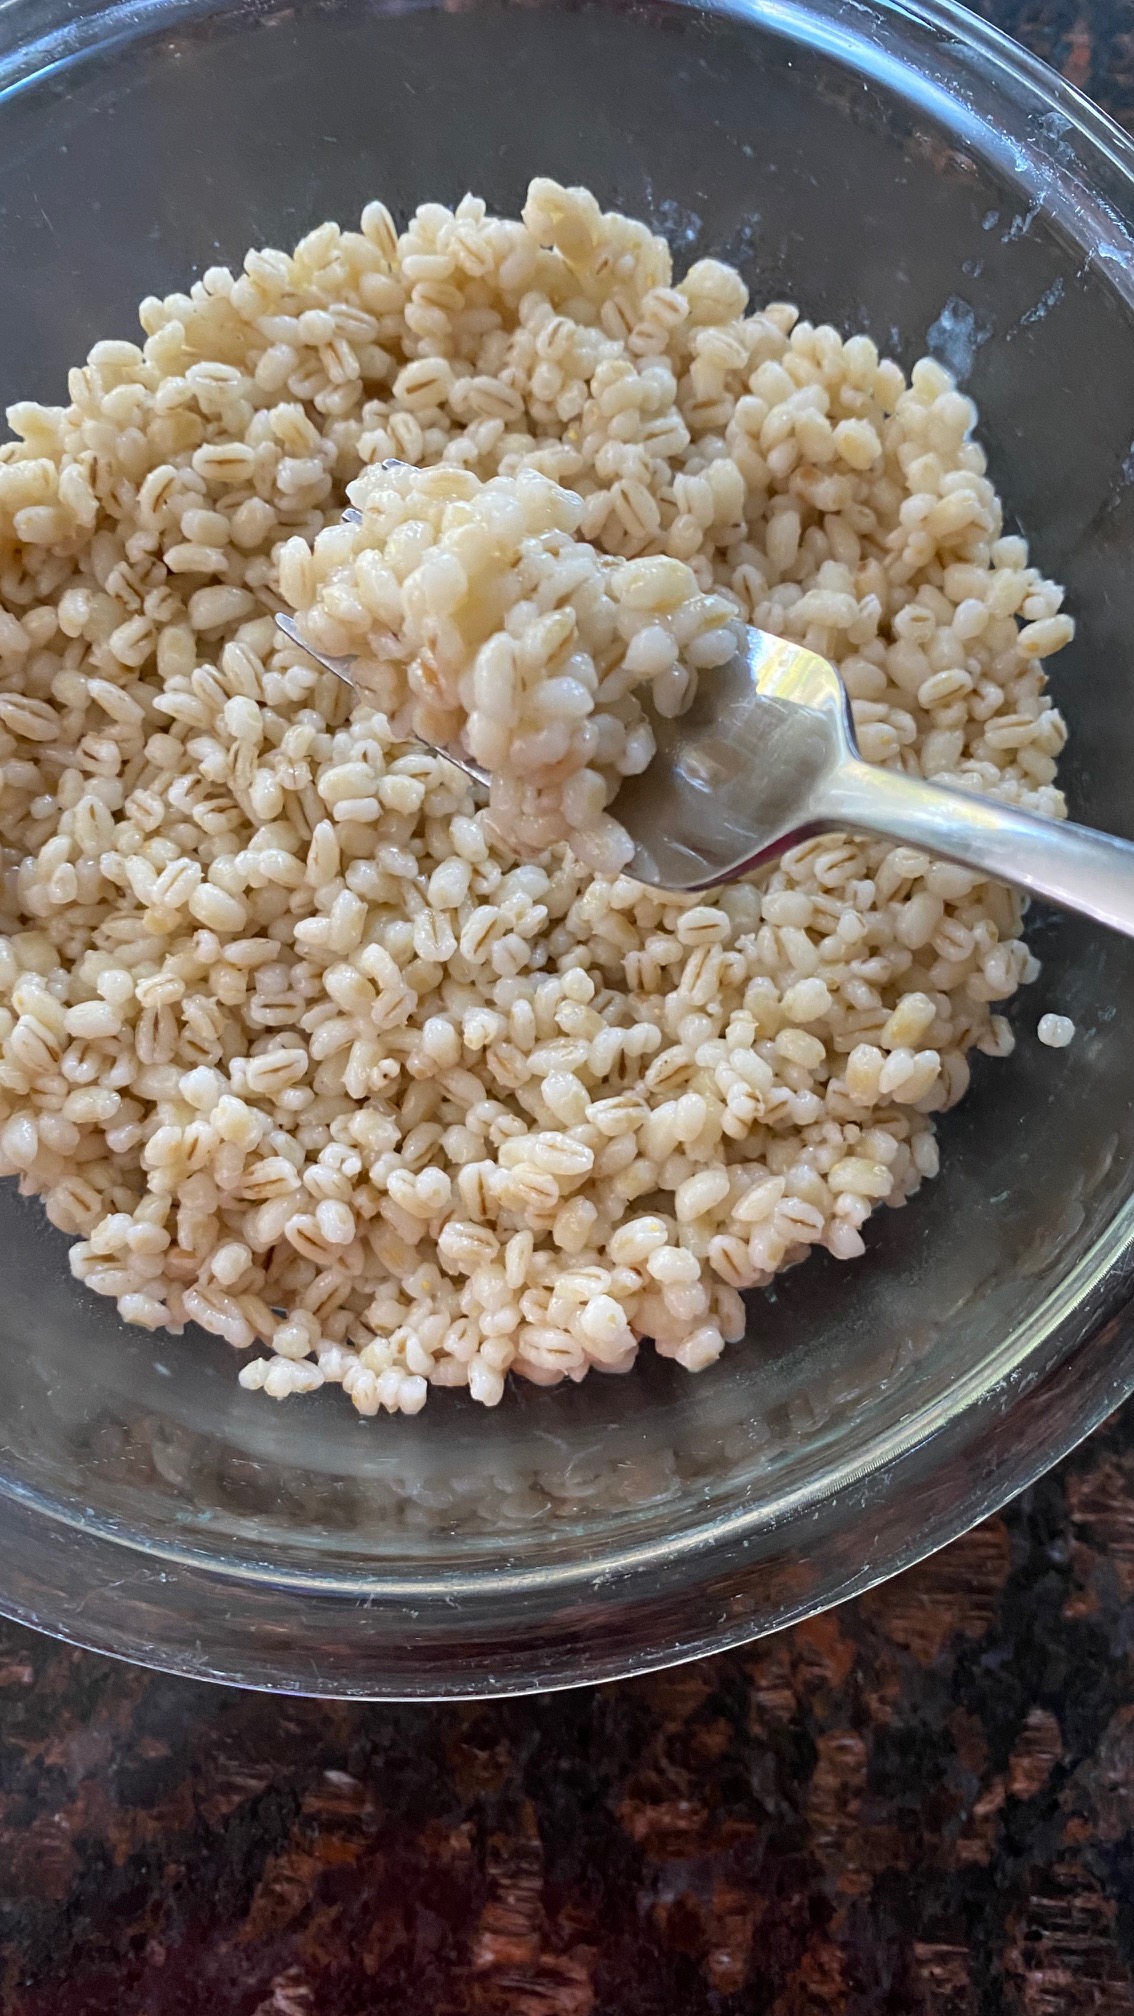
column 900, row 170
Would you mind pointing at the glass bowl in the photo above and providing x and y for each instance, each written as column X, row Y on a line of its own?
column 898, row 169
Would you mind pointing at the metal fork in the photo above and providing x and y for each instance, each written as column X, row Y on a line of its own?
column 766, row 756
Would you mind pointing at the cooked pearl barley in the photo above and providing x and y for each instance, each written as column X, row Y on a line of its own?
column 503, row 635
column 290, row 1043
column 1057, row 1031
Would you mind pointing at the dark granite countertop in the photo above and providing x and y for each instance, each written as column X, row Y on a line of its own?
column 923, row 1802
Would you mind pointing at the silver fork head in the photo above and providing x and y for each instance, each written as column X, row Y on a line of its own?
column 738, row 779
column 734, row 782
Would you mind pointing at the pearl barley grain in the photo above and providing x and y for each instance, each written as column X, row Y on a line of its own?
column 1056, row 1031
column 297, row 1043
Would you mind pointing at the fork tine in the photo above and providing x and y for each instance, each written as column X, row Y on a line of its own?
column 338, row 666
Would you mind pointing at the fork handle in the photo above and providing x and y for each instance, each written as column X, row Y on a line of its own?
column 1092, row 873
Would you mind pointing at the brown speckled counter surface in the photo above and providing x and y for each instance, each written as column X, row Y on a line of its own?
column 923, row 1802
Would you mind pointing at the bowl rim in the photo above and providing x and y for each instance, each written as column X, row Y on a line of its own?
column 1086, row 1305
